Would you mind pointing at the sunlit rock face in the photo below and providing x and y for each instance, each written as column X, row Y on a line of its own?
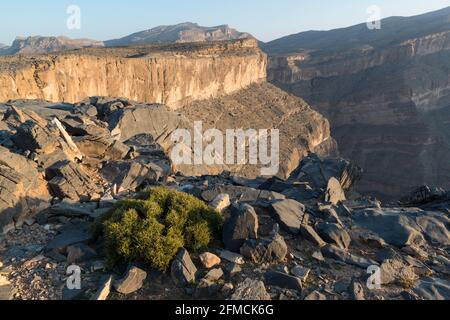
column 170, row 74
column 386, row 93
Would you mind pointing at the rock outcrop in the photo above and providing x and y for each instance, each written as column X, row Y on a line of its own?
column 172, row 74
column 386, row 93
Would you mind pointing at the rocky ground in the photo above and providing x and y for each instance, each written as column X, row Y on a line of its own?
column 305, row 238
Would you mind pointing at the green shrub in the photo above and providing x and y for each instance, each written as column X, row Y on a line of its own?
column 155, row 225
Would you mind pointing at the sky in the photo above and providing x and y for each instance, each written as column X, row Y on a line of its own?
column 265, row 19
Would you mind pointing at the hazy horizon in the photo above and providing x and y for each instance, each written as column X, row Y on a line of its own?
column 104, row 20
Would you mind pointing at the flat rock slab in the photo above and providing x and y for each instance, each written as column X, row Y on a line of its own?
column 433, row 289
column 289, row 213
column 400, row 227
column 283, row 280
column 69, row 237
column 333, row 252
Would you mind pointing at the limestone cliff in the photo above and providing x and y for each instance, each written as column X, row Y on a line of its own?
column 172, row 74
column 386, row 93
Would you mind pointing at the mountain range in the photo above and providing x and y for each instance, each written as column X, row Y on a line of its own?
column 180, row 33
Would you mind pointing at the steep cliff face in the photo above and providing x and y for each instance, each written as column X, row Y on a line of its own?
column 386, row 95
column 172, row 75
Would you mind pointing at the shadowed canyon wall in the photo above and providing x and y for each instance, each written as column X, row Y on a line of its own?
column 387, row 96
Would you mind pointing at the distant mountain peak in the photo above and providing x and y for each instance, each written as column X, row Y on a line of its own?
column 41, row 44
column 180, row 33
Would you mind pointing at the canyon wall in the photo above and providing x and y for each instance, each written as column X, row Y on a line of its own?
column 388, row 103
column 173, row 74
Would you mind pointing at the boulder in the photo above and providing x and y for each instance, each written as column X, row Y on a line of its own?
column 311, row 235
column 317, row 172
column 183, row 270
column 333, row 252
column 68, row 180
column 214, row 275
column 251, row 290
column 221, row 202
column 128, row 175
column 334, row 194
column 433, row 289
column 23, row 190
column 283, row 280
column 242, row 225
column 300, row 272
column 400, row 227
column 232, row 257
column 334, row 234
column 104, row 289
column 263, row 251
column 209, row 260
column 132, row 281
column 290, row 214
column 68, row 237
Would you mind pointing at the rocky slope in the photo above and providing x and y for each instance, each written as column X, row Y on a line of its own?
column 385, row 92
column 288, row 239
column 38, row 44
column 180, row 33
column 173, row 74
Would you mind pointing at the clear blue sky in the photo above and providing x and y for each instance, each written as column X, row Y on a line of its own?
column 266, row 19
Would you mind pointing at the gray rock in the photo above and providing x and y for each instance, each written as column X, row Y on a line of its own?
column 334, row 234
column 80, row 253
column 242, row 225
column 250, row 290
column 315, row 296
column 283, row 280
column 311, row 235
column 400, row 227
column 183, row 269
column 334, row 194
column 69, row 237
column 356, row 291
column 300, row 272
column 243, row 195
column 333, row 252
column 67, row 180
column 132, row 281
column 290, row 214
column 232, row 257
column 214, row 275
column 104, row 288
column 264, row 251
column 433, row 289
column 232, row 269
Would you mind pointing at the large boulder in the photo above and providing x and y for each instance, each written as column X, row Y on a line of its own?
column 23, row 190
column 400, row 227
column 250, row 290
column 242, row 225
column 317, row 172
column 183, row 269
column 290, row 214
column 264, row 251
column 334, row 234
column 68, row 180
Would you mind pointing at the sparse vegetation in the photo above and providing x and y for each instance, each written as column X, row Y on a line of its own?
column 155, row 225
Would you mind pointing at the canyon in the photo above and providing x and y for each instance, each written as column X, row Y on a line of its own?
column 169, row 74
column 223, row 84
column 385, row 92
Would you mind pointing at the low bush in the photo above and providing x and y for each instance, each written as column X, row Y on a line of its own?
column 155, row 225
